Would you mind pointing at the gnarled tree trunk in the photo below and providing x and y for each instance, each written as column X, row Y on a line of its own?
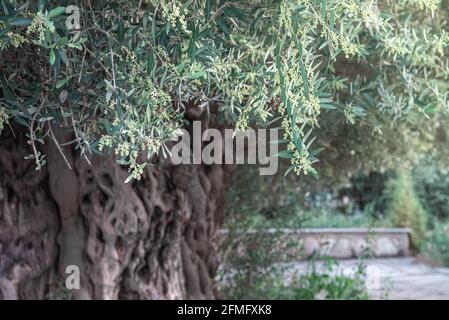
column 150, row 239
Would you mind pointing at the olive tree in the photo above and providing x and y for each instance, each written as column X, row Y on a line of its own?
column 93, row 93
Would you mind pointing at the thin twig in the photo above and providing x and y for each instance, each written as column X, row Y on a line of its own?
column 78, row 140
column 113, row 67
column 31, row 131
column 52, row 135
column 99, row 62
column 82, row 65
column 12, row 130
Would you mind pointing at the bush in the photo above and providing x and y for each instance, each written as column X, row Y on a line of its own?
column 404, row 208
column 437, row 246
column 251, row 269
column 432, row 187
column 330, row 284
column 248, row 282
column 248, row 269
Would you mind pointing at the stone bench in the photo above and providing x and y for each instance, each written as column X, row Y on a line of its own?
column 341, row 243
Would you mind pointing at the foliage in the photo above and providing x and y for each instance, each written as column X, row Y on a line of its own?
column 59, row 292
column 314, row 219
column 404, row 208
column 339, row 220
column 270, row 196
column 330, row 284
column 253, row 269
column 123, row 82
column 432, row 187
column 274, row 201
column 437, row 244
column 249, row 268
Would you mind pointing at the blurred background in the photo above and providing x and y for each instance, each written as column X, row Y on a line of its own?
column 397, row 179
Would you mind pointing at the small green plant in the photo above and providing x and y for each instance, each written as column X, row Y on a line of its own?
column 59, row 292
column 315, row 284
column 404, row 208
column 331, row 284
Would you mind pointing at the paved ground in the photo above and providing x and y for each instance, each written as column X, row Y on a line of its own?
column 402, row 278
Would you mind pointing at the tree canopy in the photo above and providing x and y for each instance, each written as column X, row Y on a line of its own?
column 123, row 81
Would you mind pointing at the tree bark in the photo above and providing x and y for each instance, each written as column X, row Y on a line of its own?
column 150, row 239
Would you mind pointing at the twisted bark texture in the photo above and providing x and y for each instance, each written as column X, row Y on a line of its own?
column 152, row 239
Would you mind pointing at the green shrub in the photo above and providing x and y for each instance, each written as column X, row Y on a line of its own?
column 248, row 282
column 252, row 268
column 59, row 291
column 248, row 269
column 330, row 284
column 335, row 219
column 312, row 219
column 432, row 187
column 404, row 208
column 437, row 245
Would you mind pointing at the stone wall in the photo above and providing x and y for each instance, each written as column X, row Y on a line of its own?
column 341, row 243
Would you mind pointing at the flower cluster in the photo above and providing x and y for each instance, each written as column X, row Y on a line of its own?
column 16, row 39
column 174, row 13
column 40, row 26
column 146, row 118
